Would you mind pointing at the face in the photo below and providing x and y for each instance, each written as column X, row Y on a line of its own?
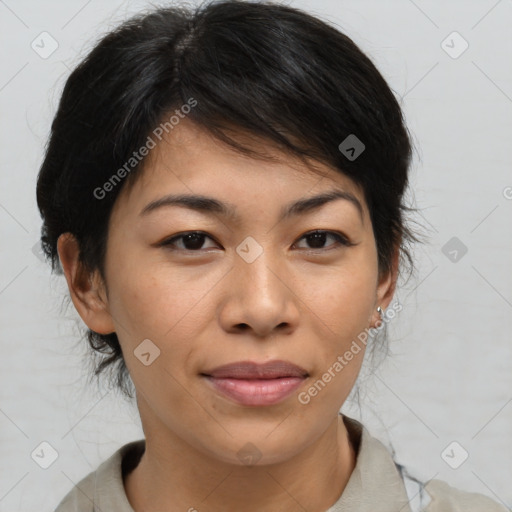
column 249, row 285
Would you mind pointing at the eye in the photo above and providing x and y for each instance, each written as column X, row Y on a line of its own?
column 317, row 239
column 191, row 241
column 194, row 240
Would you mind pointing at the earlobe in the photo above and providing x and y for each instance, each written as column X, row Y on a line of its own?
column 86, row 289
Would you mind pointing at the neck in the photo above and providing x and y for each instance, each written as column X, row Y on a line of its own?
column 173, row 476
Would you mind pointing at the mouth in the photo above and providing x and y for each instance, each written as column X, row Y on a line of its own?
column 256, row 392
column 253, row 384
column 274, row 369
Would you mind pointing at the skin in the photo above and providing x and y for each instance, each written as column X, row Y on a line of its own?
column 206, row 307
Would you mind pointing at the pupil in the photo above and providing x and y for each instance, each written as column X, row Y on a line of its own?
column 318, row 237
column 193, row 241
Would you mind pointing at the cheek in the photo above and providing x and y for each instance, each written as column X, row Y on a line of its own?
column 341, row 300
column 160, row 303
column 168, row 310
column 339, row 308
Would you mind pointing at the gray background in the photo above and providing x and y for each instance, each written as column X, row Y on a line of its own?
column 449, row 377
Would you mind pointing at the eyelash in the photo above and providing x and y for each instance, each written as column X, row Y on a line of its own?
column 342, row 240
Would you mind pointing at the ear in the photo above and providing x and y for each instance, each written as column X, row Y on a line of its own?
column 386, row 287
column 87, row 289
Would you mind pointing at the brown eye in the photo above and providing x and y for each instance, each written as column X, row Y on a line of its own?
column 317, row 239
column 191, row 241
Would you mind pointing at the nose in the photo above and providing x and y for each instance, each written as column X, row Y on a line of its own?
column 260, row 298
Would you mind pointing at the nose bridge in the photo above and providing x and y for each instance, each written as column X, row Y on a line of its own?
column 256, row 265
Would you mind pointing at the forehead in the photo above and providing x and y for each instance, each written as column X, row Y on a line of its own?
column 191, row 160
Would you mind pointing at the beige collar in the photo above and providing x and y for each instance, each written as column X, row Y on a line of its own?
column 375, row 483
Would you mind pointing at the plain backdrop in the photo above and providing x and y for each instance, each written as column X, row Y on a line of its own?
column 449, row 376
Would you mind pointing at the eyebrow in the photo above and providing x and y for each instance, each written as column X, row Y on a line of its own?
column 207, row 204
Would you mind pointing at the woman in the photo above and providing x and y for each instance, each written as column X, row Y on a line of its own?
column 223, row 191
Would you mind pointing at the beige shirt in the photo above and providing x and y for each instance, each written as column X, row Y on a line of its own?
column 375, row 485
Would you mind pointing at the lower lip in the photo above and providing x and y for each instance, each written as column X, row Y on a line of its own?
column 256, row 392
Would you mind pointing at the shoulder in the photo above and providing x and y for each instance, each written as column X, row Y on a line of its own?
column 81, row 497
column 103, row 489
column 378, row 482
column 444, row 498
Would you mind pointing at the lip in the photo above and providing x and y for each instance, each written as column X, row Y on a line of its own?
column 274, row 369
column 256, row 384
column 256, row 392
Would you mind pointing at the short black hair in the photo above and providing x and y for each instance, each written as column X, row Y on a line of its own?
column 262, row 68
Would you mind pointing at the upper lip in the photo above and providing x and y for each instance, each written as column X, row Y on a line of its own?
column 253, row 370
